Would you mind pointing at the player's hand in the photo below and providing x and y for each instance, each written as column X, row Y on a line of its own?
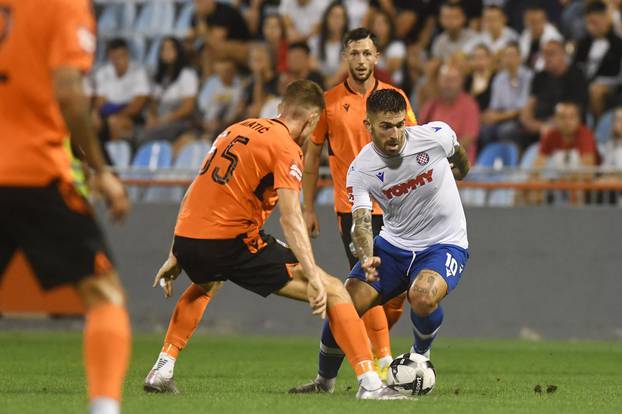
column 370, row 267
column 167, row 273
column 114, row 194
column 313, row 225
column 316, row 294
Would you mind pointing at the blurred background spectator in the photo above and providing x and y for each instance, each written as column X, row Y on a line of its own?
column 538, row 31
column 559, row 81
column 174, row 92
column 455, row 107
column 495, row 33
column 509, row 93
column 455, row 36
column 121, row 92
column 392, row 50
column 482, row 69
column 599, row 54
column 302, row 17
column 299, row 65
column 326, row 46
column 274, row 36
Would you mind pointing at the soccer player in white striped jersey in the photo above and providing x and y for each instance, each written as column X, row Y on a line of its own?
column 422, row 248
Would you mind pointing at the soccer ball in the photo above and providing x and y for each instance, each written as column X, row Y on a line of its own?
column 411, row 374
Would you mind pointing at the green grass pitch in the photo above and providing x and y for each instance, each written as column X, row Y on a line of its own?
column 42, row 373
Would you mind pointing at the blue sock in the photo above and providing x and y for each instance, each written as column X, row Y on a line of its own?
column 330, row 357
column 425, row 329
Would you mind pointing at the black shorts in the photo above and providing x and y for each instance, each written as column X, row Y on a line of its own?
column 344, row 222
column 263, row 272
column 55, row 228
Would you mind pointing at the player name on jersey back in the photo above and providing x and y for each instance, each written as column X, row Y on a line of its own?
column 415, row 189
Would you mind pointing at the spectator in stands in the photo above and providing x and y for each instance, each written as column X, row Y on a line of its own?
column 510, row 90
column 327, row 45
column 175, row 88
column 220, row 29
column 612, row 149
column 302, row 17
column 408, row 17
column 455, row 107
column 299, row 65
column 479, row 82
column 495, row 33
column 220, row 99
column 569, row 143
column 538, row 31
column 558, row 82
column 255, row 13
column 455, row 36
column 275, row 37
column 263, row 81
column 599, row 55
column 121, row 90
column 413, row 74
column 392, row 50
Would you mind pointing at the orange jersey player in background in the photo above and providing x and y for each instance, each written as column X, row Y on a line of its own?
column 253, row 165
column 341, row 127
column 45, row 47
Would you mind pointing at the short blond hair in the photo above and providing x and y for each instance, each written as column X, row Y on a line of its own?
column 304, row 93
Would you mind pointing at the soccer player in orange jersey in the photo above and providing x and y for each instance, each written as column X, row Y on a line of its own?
column 45, row 47
column 251, row 166
column 341, row 127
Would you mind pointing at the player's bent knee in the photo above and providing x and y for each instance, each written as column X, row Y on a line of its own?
column 422, row 304
column 99, row 289
column 335, row 290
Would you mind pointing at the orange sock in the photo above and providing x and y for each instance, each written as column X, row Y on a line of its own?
column 185, row 319
column 349, row 332
column 394, row 309
column 107, row 342
column 378, row 331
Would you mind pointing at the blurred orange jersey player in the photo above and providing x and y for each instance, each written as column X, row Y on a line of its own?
column 45, row 47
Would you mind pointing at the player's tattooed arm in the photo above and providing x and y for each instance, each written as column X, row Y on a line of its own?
column 459, row 162
column 362, row 235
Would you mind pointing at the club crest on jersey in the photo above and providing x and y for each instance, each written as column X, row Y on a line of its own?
column 404, row 188
column 295, row 171
column 350, row 195
column 423, row 158
column 380, row 176
column 346, row 106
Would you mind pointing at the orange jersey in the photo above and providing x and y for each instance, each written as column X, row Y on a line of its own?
column 235, row 190
column 37, row 37
column 341, row 124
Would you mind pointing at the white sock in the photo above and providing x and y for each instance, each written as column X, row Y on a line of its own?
column 165, row 365
column 103, row 405
column 385, row 361
column 370, row 380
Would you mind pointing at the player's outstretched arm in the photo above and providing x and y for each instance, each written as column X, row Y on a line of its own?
column 298, row 240
column 460, row 165
column 312, row 157
column 75, row 110
column 362, row 237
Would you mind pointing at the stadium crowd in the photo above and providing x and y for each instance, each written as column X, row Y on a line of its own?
column 544, row 75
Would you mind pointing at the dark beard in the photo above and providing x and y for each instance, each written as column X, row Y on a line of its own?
column 357, row 79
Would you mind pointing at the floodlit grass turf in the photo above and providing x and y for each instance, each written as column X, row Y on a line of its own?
column 42, row 373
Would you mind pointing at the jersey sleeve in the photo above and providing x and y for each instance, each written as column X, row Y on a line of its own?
column 445, row 136
column 72, row 37
column 357, row 189
column 319, row 134
column 287, row 169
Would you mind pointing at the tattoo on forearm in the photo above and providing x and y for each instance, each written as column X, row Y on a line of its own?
column 460, row 161
column 362, row 235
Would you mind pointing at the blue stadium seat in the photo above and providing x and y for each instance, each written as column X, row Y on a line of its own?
column 529, row 156
column 495, row 155
column 184, row 20
column 604, row 126
column 186, row 166
column 116, row 19
column 120, row 153
column 156, row 18
column 149, row 159
column 151, row 58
